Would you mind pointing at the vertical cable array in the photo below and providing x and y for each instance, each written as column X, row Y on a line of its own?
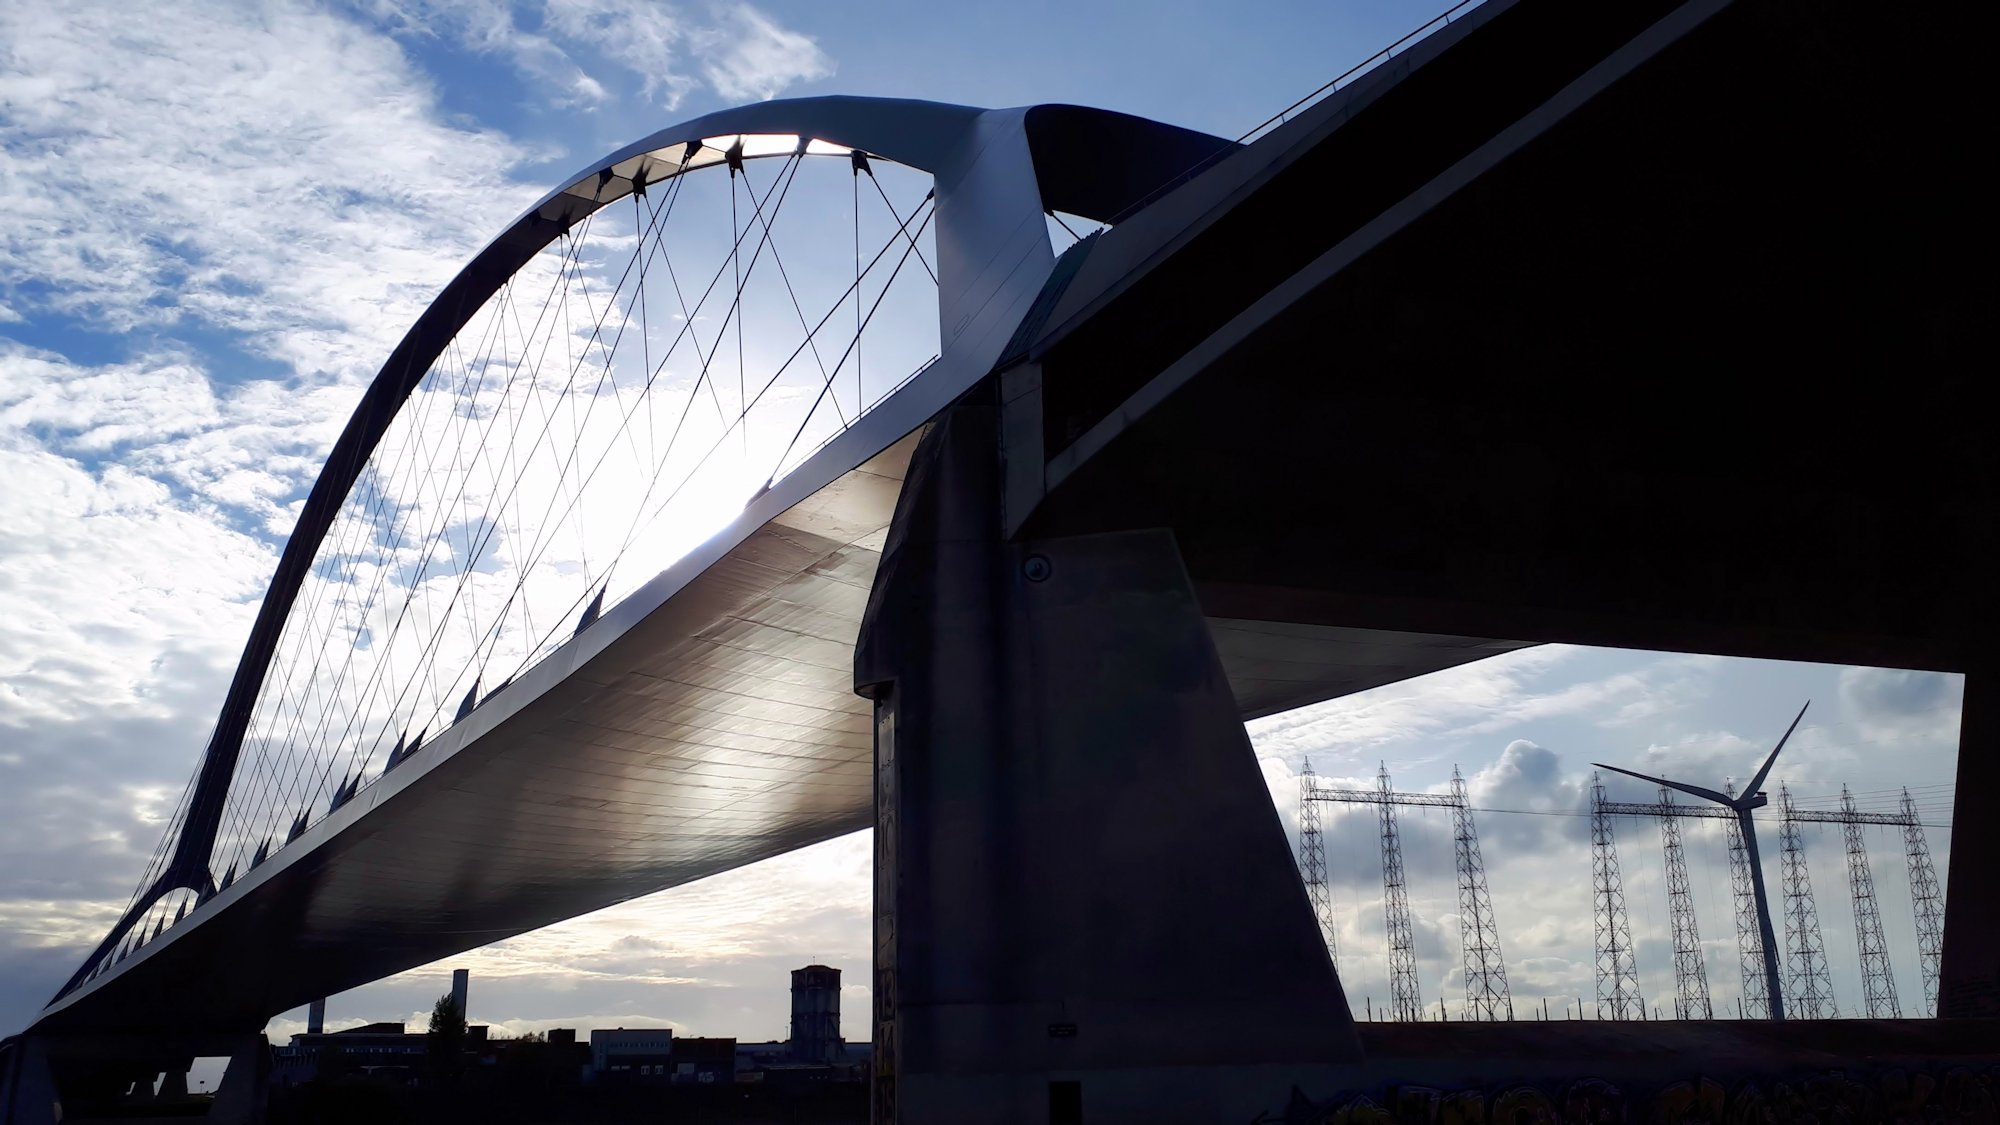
column 1690, row 975
column 1486, row 995
column 1749, row 936
column 1878, row 981
column 1312, row 860
column 1618, row 995
column 1810, row 986
column 1926, row 900
column 1405, row 996
column 556, row 453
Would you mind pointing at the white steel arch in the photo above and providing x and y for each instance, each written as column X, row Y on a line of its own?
column 993, row 259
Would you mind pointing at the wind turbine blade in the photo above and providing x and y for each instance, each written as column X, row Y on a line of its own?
column 1691, row 790
column 1757, row 783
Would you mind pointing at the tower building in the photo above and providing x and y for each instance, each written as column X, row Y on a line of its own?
column 816, row 1015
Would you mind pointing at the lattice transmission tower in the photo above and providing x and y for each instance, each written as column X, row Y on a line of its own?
column 1809, row 989
column 1749, row 943
column 1690, row 976
column 1878, row 980
column 1486, row 995
column 1405, row 998
column 1926, row 900
column 1618, row 996
column 1312, row 860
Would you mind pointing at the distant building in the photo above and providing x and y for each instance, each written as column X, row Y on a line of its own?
column 816, row 1016
column 387, row 1051
column 752, row 1059
column 378, row 1050
column 621, row 1054
column 764, row 1062
column 704, row 1061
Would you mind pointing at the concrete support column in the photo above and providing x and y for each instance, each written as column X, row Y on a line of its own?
column 1086, row 905
column 81, row 1076
column 1969, row 981
column 243, row 1095
column 173, row 1084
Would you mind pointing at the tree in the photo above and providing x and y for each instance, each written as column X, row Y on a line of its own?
column 444, row 1042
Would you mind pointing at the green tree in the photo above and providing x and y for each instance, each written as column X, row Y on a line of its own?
column 444, row 1042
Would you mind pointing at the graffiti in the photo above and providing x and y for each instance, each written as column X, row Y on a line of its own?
column 1962, row 1095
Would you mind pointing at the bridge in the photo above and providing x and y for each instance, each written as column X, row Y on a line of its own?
column 651, row 553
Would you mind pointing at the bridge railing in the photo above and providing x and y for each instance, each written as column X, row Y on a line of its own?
column 1341, row 81
column 1347, row 77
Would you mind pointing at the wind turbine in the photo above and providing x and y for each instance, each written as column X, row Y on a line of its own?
column 1753, row 798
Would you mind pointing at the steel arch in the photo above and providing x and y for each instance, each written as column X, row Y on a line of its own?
column 996, row 171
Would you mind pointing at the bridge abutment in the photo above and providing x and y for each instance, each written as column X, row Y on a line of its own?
column 1086, row 907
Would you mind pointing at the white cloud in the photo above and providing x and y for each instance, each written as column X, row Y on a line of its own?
column 1351, row 729
column 647, row 39
column 747, row 57
column 1895, row 705
column 490, row 27
column 269, row 170
column 736, row 51
column 275, row 181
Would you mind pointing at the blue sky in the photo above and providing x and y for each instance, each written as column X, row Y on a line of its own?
column 219, row 218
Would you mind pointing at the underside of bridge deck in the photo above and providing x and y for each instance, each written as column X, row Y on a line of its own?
column 1681, row 355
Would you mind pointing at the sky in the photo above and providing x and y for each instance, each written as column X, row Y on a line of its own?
column 218, row 219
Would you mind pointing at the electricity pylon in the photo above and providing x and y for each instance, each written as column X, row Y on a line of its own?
column 1749, row 945
column 1753, row 798
column 1312, row 860
column 1486, row 996
column 1812, row 983
column 1618, row 995
column 1690, row 975
column 1926, row 900
column 1403, row 989
column 1878, row 980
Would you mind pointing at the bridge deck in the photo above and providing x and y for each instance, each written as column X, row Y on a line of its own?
column 706, row 723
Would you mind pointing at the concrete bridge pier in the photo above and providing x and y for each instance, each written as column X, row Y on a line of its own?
column 1086, row 906
column 48, row 1078
column 27, row 1084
